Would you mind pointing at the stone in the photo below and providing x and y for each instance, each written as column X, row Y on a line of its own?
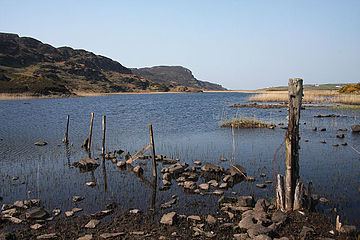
column 40, row 143
column 197, row 162
column 138, row 170
column 15, row 220
column 230, row 214
column 37, row 213
column 56, row 212
column 213, row 183
column 246, row 201
column 87, row 163
column 261, row 185
column 204, row 186
column 189, row 185
column 111, row 235
column 225, row 199
column 250, row 179
column 228, row 178
column 92, row 223
column 246, row 222
column 91, row 184
column 168, row 218
column 306, row 233
column 223, row 185
column 194, row 218
column 323, row 200
column 166, row 183
column 209, row 167
column 11, row 212
column 19, row 204
column 135, row 211
column 69, row 213
column 75, row 210
column 167, row 176
column 86, row 237
column 121, row 164
column 47, row 236
column 177, row 168
column 77, row 198
column 261, row 205
column 36, row 226
column 355, row 128
column 237, row 172
column 340, row 135
column 210, row 219
column 218, row 192
column 323, row 129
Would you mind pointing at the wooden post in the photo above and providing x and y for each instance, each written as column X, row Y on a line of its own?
column 90, row 131
column 103, row 150
column 66, row 138
column 154, row 167
column 292, row 141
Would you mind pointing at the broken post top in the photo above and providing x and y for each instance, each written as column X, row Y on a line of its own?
column 295, row 86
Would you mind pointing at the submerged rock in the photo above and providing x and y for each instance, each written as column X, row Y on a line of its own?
column 138, row 170
column 355, row 128
column 209, row 167
column 40, row 143
column 37, row 213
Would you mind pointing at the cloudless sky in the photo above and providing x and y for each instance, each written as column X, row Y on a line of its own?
column 240, row 44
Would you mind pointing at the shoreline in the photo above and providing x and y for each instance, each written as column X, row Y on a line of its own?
column 26, row 96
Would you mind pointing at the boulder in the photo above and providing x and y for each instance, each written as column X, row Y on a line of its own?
column 261, row 205
column 168, row 218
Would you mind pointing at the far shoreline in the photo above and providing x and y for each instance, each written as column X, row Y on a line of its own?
column 26, row 96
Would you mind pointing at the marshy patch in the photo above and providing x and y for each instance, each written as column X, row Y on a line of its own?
column 259, row 106
column 246, row 123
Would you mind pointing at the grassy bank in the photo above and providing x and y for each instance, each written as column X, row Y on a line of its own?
column 246, row 123
column 310, row 96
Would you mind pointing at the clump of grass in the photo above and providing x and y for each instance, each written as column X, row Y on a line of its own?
column 351, row 88
column 246, row 123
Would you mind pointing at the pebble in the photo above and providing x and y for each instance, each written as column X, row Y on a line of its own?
column 92, row 223
column 91, row 184
column 168, row 218
column 86, row 237
column 261, row 185
column 47, row 236
column 36, row 226
column 111, row 235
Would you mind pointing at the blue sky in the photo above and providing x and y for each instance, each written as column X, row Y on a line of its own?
column 239, row 44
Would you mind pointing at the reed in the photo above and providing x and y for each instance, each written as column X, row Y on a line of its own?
column 320, row 96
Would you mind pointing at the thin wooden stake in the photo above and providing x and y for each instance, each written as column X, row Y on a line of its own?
column 154, row 167
column 103, row 150
column 66, row 138
column 292, row 141
column 90, row 131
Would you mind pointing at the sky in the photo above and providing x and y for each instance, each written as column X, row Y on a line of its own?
column 241, row 44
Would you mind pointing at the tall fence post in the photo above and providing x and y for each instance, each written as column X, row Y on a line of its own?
column 90, row 131
column 154, row 167
column 103, row 150
column 292, row 141
column 66, row 138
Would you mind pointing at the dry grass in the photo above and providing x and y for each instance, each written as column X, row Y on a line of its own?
column 246, row 123
column 320, row 96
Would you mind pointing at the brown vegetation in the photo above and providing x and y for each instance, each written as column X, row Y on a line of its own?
column 246, row 123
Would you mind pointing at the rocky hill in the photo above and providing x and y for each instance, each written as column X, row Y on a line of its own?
column 30, row 66
column 175, row 76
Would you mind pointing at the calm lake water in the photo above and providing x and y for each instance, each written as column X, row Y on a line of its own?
column 186, row 127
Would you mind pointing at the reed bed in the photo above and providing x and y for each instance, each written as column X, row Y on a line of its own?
column 246, row 123
column 322, row 96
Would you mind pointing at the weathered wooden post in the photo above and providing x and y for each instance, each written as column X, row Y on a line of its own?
column 154, row 167
column 103, row 150
column 88, row 147
column 292, row 141
column 66, row 138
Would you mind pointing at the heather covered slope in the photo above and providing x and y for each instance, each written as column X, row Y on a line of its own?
column 32, row 67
